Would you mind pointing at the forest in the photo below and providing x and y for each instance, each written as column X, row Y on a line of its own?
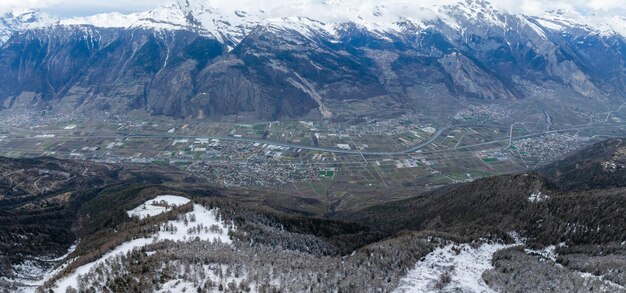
column 573, row 234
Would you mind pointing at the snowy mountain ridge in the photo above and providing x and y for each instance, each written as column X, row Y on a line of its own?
column 22, row 20
column 229, row 22
column 561, row 20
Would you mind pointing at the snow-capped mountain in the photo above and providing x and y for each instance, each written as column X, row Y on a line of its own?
column 309, row 58
column 564, row 20
column 230, row 22
column 22, row 20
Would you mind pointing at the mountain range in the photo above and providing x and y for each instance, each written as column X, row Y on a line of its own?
column 199, row 59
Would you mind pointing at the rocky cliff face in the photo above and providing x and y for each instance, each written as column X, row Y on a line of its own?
column 188, row 60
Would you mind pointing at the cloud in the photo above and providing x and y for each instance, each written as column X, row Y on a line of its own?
column 535, row 7
column 9, row 5
column 80, row 7
column 285, row 7
column 607, row 5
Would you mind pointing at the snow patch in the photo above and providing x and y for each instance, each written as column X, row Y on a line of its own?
column 177, row 285
column 32, row 273
column 550, row 24
column 158, row 205
column 462, row 262
column 538, row 197
column 182, row 285
column 548, row 252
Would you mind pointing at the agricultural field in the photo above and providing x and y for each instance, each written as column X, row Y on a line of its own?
column 372, row 160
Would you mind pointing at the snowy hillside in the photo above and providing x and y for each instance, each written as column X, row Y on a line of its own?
column 457, row 267
column 199, row 224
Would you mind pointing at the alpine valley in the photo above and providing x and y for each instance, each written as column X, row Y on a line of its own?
column 313, row 146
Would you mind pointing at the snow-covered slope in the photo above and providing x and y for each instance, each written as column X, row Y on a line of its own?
column 461, row 264
column 199, row 224
column 158, row 205
column 564, row 20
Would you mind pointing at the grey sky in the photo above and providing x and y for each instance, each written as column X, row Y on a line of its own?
column 66, row 8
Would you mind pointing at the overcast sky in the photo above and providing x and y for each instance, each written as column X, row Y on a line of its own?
column 66, row 8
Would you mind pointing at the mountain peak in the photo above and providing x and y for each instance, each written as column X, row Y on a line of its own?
column 565, row 19
column 22, row 19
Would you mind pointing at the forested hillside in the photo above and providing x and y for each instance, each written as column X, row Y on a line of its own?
column 565, row 232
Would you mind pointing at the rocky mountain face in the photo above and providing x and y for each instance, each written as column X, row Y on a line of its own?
column 189, row 59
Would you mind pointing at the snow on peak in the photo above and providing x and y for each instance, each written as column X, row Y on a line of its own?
column 17, row 20
column 561, row 20
column 475, row 11
column 25, row 16
column 230, row 21
column 165, row 17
